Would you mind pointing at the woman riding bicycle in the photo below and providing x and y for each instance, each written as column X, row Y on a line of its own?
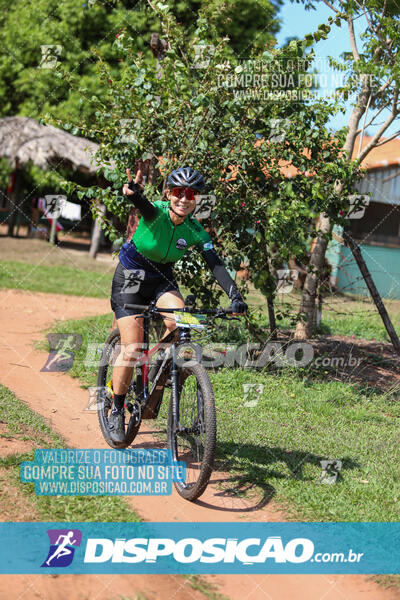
column 144, row 273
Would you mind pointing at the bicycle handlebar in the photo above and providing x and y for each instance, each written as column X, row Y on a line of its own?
column 210, row 311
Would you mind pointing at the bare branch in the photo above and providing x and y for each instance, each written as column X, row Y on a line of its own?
column 363, row 127
column 382, row 88
column 366, row 17
column 166, row 31
column 395, row 108
column 376, row 29
column 353, row 42
column 378, row 112
column 389, row 139
column 382, row 129
column 393, row 176
column 357, row 113
column 152, row 6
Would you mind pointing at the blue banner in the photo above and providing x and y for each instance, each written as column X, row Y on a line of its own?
column 229, row 548
column 102, row 472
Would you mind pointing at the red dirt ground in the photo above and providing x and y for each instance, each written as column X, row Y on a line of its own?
column 61, row 400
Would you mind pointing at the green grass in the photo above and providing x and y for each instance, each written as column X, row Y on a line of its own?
column 57, row 279
column 341, row 315
column 25, row 424
column 278, row 445
column 94, row 331
column 273, row 450
column 196, row 582
column 365, row 324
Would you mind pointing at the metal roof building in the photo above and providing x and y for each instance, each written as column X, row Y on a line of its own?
column 377, row 230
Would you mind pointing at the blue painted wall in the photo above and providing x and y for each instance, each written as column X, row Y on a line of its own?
column 383, row 264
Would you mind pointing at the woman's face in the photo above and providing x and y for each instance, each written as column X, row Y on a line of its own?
column 180, row 203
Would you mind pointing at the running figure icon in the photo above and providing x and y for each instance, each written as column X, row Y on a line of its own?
column 63, row 543
column 62, row 549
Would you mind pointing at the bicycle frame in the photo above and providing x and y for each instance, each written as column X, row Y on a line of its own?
column 143, row 360
column 192, row 421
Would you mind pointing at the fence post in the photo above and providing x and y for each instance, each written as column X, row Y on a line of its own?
column 355, row 248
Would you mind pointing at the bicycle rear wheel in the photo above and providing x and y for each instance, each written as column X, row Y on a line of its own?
column 105, row 395
column 193, row 440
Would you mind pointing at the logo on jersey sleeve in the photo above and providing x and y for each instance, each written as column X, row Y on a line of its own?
column 208, row 246
column 181, row 244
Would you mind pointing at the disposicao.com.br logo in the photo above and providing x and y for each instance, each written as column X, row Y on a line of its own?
column 213, row 550
column 225, row 548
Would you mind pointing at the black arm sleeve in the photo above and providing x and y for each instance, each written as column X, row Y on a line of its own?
column 221, row 274
column 146, row 208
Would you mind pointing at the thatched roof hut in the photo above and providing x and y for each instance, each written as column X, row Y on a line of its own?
column 22, row 140
column 46, row 146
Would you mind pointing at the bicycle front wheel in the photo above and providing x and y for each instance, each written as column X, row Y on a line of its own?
column 110, row 352
column 193, row 439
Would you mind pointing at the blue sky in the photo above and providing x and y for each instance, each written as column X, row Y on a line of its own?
column 296, row 21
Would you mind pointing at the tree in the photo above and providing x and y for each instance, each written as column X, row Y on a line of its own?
column 42, row 33
column 204, row 116
column 248, row 24
column 372, row 71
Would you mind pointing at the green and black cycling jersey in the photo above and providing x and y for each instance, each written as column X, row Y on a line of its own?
column 157, row 244
column 159, row 240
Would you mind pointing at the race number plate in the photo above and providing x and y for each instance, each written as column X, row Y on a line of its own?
column 190, row 320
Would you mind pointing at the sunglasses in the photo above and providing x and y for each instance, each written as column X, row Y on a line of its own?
column 179, row 192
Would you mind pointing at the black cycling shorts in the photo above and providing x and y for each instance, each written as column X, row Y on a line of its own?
column 137, row 287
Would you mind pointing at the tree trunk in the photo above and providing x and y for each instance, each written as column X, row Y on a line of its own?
column 354, row 247
column 305, row 325
column 53, row 229
column 96, row 233
column 13, row 202
column 318, row 309
column 271, row 317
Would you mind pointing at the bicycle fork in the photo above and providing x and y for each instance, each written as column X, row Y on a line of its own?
column 174, row 390
column 184, row 336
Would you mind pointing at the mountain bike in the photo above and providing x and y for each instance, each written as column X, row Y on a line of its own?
column 174, row 364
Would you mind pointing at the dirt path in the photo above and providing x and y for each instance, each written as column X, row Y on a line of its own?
column 58, row 397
